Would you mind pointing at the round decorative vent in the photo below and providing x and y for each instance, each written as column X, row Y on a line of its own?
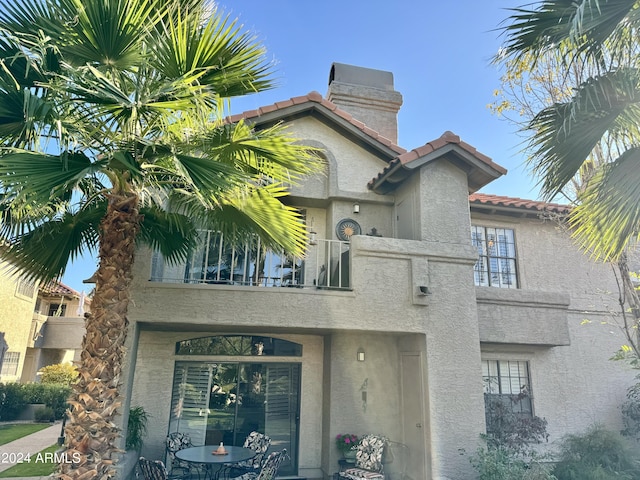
column 346, row 228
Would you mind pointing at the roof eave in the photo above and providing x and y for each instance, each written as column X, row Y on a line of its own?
column 479, row 173
column 359, row 131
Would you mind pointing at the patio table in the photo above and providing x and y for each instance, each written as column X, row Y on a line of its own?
column 213, row 464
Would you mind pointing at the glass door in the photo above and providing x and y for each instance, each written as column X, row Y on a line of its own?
column 224, row 402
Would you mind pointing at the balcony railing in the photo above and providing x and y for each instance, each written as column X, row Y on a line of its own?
column 216, row 262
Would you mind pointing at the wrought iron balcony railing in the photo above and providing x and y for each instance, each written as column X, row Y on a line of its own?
column 216, row 262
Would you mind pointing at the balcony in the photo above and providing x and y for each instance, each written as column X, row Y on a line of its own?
column 218, row 262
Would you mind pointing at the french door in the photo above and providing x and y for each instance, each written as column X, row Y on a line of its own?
column 224, row 401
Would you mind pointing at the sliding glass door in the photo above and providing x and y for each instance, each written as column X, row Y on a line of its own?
column 224, row 401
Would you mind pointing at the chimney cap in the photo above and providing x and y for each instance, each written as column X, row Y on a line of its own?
column 366, row 77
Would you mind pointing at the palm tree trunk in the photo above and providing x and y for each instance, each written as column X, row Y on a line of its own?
column 91, row 433
column 630, row 306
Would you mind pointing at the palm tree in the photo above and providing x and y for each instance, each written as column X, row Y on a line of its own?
column 603, row 114
column 112, row 130
column 594, row 135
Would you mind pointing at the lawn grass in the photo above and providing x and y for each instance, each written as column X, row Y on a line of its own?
column 9, row 433
column 36, row 467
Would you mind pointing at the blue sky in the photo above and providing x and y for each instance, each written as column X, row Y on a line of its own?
column 439, row 53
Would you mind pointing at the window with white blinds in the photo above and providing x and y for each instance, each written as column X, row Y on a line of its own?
column 189, row 402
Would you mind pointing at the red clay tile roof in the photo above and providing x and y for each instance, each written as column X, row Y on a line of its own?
column 499, row 201
column 447, row 138
column 316, row 98
column 404, row 157
column 58, row 288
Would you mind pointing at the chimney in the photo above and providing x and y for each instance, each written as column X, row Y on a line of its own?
column 368, row 95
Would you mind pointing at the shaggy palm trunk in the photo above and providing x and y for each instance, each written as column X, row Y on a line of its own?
column 91, row 432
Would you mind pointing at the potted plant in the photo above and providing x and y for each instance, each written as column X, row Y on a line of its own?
column 137, row 428
column 346, row 443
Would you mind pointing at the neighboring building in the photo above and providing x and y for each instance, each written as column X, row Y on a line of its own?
column 41, row 325
column 17, row 302
column 416, row 298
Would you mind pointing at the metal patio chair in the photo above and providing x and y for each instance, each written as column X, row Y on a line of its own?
column 152, row 469
column 259, row 443
column 175, row 442
column 269, row 468
column 368, row 460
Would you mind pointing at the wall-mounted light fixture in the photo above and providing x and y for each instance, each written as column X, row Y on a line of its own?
column 424, row 290
column 356, row 208
column 360, row 354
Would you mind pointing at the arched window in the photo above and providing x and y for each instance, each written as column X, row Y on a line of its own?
column 239, row 345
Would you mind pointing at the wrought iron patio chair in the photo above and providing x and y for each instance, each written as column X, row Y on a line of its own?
column 152, row 469
column 368, row 464
column 259, row 443
column 269, row 468
column 177, row 441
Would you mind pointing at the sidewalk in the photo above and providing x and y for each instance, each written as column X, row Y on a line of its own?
column 31, row 444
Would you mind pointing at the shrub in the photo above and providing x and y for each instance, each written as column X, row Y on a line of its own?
column 502, row 464
column 509, row 452
column 12, row 400
column 598, row 454
column 61, row 373
column 14, row 397
column 509, row 429
column 56, row 396
column 44, row 414
column 631, row 412
column 136, row 428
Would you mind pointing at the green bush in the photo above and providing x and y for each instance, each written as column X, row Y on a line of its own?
column 14, row 397
column 136, row 428
column 598, row 454
column 56, row 396
column 59, row 373
column 12, row 400
column 631, row 412
column 44, row 414
column 503, row 464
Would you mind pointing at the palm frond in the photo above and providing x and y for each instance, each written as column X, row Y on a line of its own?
column 261, row 211
column 231, row 62
column 44, row 252
column 107, row 34
column 585, row 24
column 608, row 216
column 172, row 234
column 199, row 176
column 567, row 133
column 41, row 177
column 270, row 153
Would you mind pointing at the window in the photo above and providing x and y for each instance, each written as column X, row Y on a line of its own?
column 496, row 266
column 245, row 345
column 26, row 288
column 57, row 310
column 506, row 388
column 10, row 363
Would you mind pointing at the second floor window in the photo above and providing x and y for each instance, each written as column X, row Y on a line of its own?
column 496, row 265
column 57, row 310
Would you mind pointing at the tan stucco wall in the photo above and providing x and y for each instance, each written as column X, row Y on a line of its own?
column 452, row 328
column 16, row 313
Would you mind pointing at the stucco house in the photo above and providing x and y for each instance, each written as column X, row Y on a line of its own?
column 41, row 325
column 416, row 297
